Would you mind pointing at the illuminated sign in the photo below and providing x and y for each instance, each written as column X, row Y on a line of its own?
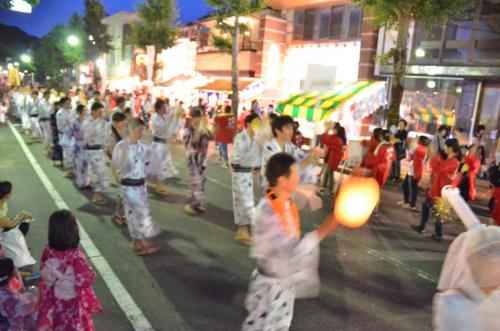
column 20, row 6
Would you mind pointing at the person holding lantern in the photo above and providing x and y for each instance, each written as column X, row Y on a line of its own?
column 444, row 172
column 286, row 263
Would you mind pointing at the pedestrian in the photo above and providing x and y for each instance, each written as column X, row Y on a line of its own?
column 32, row 104
column 283, row 129
column 196, row 139
column 470, row 166
column 95, row 131
column 400, row 150
column 64, row 117
column 17, row 305
column 117, row 133
column 286, row 263
column 416, row 161
column 161, row 127
column 81, row 170
column 336, row 146
column 67, row 300
column 56, row 153
column 444, row 172
column 224, row 131
column 131, row 157
column 480, row 140
column 24, row 111
column 44, row 109
column 440, row 139
column 246, row 159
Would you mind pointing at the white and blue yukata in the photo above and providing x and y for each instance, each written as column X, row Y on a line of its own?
column 32, row 109
column 64, row 117
column 131, row 162
column 44, row 110
column 95, row 133
column 246, row 158
column 81, row 167
column 196, row 156
column 163, row 128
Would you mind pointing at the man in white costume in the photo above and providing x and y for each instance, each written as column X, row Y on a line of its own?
column 64, row 117
column 130, row 162
column 44, row 110
column 164, row 124
column 469, row 285
column 32, row 105
column 82, row 179
column 23, row 108
column 246, row 158
column 95, row 131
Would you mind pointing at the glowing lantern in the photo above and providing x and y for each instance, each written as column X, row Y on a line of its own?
column 356, row 199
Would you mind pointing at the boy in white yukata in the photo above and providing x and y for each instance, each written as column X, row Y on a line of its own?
column 163, row 125
column 64, row 117
column 246, row 158
column 32, row 105
column 23, row 110
column 287, row 264
column 82, row 178
column 283, row 130
column 44, row 110
column 130, row 162
column 95, row 131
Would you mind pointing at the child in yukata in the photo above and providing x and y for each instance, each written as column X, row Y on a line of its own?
column 287, row 263
column 67, row 300
column 18, row 307
column 196, row 138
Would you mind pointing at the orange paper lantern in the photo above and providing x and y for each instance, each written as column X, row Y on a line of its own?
column 356, row 199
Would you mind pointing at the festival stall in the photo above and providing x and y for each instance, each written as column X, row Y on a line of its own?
column 219, row 90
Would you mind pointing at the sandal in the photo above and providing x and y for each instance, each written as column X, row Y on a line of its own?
column 119, row 220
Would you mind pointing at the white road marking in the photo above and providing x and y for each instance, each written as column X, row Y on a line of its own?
column 127, row 304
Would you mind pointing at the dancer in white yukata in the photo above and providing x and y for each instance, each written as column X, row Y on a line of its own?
column 64, row 117
column 116, row 134
column 95, row 131
column 44, row 110
column 246, row 159
column 33, row 111
column 287, row 265
column 469, row 285
column 163, row 125
column 23, row 110
column 283, row 129
column 82, row 178
column 130, row 162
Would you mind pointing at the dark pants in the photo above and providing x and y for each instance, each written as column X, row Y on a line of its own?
column 410, row 190
column 395, row 170
column 426, row 210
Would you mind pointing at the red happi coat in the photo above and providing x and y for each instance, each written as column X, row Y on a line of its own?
column 474, row 164
column 335, row 147
column 380, row 162
column 443, row 173
column 419, row 156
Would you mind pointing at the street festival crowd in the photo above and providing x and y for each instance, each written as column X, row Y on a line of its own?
column 84, row 130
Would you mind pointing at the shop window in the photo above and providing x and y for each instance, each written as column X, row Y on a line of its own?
column 457, row 38
column 336, row 22
column 488, row 33
column 324, row 23
column 298, row 25
column 309, row 24
column 354, row 26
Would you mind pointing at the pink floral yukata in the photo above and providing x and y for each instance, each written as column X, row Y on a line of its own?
column 67, row 299
column 18, row 307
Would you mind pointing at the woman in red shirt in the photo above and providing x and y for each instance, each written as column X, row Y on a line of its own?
column 415, row 171
column 444, row 173
column 335, row 144
column 224, row 128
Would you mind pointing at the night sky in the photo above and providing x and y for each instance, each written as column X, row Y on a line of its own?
column 52, row 12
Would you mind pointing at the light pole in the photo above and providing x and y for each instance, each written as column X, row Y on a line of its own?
column 26, row 58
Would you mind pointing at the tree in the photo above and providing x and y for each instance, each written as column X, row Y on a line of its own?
column 156, row 26
column 228, row 14
column 73, row 54
column 96, row 36
column 398, row 14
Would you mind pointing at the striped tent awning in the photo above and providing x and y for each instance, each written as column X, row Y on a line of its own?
column 303, row 105
column 434, row 115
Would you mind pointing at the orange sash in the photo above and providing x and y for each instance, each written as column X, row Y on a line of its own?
column 290, row 222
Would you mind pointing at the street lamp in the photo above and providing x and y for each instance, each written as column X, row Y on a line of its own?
column 91, row 38
column 25, row 58
column 73, row 40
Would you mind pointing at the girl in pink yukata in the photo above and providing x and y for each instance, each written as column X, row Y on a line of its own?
column 67, row 300
column 18, row 307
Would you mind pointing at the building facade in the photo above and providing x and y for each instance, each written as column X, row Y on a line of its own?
column 453, row 71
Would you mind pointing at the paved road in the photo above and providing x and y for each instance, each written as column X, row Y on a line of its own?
column 379, row 277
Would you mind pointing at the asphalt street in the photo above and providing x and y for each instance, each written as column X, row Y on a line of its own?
column 379, row 277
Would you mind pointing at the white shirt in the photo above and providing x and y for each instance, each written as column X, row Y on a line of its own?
column 159, row 126
column 44, row 108
column 64, row 118
column 131, row 160
column 31, row 105
column 247, row 152
column 95, row 131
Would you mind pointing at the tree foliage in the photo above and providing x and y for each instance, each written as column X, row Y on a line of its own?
column 93, row 26
column 157, row 25
column 73, row 54
column 48, row 60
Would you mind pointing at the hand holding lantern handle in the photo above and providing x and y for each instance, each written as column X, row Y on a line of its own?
column 328, row 225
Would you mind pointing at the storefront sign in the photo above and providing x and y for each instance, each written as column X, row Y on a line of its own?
column 320, row 78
